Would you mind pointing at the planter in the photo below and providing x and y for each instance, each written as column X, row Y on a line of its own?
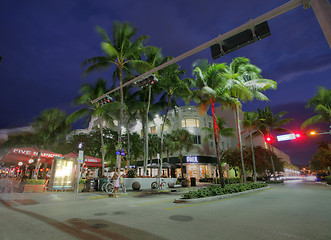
column 136, row 186
column 171, row 184
column 33, row 188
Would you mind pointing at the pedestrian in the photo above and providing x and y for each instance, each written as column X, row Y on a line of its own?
column 116, row 179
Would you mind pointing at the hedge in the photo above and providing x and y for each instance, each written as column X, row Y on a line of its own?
column 214, row 190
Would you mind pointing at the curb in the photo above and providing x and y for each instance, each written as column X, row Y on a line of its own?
column 214, row 198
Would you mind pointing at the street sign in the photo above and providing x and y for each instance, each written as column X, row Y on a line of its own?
column 286, row 137
column 80, row 158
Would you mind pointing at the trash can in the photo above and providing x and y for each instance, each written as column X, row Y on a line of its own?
column 89, row 185
column 193, row 182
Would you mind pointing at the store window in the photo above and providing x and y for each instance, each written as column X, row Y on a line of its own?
column 190, row 122
column 153, row 130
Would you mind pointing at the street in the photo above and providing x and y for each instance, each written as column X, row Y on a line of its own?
column 295, row 210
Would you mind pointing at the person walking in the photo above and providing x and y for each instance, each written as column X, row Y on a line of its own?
column 116, row 178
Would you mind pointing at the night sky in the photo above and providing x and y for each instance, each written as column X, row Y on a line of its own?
column 43, row 43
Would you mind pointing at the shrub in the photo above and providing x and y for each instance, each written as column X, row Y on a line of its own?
column 132, row 173
column 328, row 179
column 214, row 190
column 35, row 182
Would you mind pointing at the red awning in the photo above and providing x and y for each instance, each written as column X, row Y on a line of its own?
column 16, row 155
column 89, row 161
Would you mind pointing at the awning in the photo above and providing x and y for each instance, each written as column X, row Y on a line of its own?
column 164, row 165
column 89, row 161
column 16, row 155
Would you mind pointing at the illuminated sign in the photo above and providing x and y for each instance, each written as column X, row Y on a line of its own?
column 63, row 173
column 35, row 153
column 286, row 137
column 192, row 159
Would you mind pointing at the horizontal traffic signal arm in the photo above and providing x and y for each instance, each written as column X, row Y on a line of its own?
column 247, row 26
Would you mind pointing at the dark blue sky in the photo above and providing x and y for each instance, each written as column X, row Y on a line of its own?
column 43, row 43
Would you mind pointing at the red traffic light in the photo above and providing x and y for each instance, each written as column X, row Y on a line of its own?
column 268, row 139
column 298, row 135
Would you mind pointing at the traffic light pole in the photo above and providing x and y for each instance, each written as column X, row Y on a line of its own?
column 269, row 15
column 322, row 10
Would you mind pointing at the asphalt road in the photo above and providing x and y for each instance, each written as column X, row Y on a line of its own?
column 295, row 210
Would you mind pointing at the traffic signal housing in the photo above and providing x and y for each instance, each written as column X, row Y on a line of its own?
column 240, row 40
column 147, row 81
column 105, row 100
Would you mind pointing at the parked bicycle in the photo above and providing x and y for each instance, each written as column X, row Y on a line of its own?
column 108, row 187
column 158, row 184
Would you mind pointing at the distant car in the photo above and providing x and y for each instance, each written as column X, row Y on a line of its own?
column 320, row 177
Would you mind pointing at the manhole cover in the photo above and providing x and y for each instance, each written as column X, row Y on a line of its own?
column 100, row 214
column 99, row 225
column 119, row 213
column 181, row 218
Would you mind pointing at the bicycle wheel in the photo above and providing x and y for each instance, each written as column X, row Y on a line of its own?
column 123, row 188
column 163, row 185
column 153, row 185
column 103, row 187
column 109, row 188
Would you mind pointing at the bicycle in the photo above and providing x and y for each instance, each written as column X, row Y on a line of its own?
column 158, row 184
column 108, row 186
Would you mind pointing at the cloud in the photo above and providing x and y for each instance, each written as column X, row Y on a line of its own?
column 5, row 132
column 298, row 67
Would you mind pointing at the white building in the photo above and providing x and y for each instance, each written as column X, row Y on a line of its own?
column 200, row 161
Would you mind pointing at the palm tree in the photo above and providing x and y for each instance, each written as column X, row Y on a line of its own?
column 153, row 59
column 50, row 128
column 270, row 121
column 182, row 139
column 89, row 111
column 172, row 86
column 245, row 84
column 251, row 122
column 207, row 79
column 322, row 105
column 221, row 130
column 119, row 52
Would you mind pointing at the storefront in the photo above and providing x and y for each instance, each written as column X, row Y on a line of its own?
column 193, row 166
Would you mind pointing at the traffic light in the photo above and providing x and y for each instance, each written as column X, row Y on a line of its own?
column 312, row 133
column 105, row 100
column 240, row 40
column 297, row 135
column 269, row 139
column 146, row 81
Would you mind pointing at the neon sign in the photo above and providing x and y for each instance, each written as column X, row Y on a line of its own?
column 192, row 159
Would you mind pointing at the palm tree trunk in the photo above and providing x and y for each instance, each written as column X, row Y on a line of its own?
column 102, row 151
column 121, row 114
column 162, row 133
column 240, row 144
column 146, row 129
column 128, row 157
column 216, row 146
column 253, row 155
